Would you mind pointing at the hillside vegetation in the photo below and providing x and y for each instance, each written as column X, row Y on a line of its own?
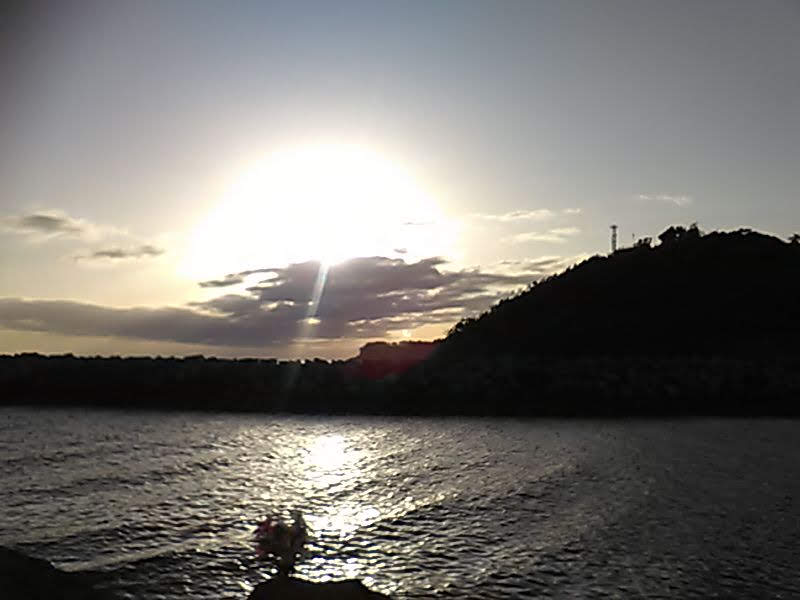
column 696, row 325
column 731, row 294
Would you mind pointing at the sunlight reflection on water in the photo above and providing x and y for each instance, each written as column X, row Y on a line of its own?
column 416, row 508
column 329, row 460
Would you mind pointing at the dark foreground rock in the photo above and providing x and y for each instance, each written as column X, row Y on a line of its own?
column 26, row 578
column 289, row 588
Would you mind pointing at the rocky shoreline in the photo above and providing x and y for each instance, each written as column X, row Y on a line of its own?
column 26, row 578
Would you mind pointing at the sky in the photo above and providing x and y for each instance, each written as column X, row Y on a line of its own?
column 294, row 179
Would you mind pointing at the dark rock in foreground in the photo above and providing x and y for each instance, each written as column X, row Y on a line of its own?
column 26, row 578
column 290, row 588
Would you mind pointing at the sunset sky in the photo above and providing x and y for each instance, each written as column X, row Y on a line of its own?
column 293, row 179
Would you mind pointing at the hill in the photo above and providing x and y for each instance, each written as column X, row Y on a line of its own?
column 697, row 325
column 730, row 294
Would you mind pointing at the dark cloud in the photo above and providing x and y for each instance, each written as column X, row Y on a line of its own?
column 160, row 324
column 48, row 224
column 360, row 298
column 225, row 282
column 144, row 251
column 231, row 278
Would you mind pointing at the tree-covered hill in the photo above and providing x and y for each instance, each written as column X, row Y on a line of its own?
column 723, row 293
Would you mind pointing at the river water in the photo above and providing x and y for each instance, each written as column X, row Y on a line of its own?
column 165, row 504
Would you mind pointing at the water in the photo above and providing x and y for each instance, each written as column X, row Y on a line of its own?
column 165, row 504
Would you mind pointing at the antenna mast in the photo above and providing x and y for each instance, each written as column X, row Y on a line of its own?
column 613, row 238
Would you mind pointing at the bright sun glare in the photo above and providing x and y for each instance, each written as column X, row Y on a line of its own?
column 326, row 202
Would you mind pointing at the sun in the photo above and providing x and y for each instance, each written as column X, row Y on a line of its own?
column 325, row 202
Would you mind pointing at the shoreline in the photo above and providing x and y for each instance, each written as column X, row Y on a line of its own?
column 502, row 386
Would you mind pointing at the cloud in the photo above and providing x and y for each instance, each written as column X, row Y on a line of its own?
column 539, row 214
column 228, row 280
column 231, row 278
column 49, row 225
column 117, row 253
column 553, row 236
column 572, row 211
column 46, row 224
column 543, row 265
column 362, row 298
column 677, row 200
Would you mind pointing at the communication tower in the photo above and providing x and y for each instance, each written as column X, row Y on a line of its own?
column 613, row 238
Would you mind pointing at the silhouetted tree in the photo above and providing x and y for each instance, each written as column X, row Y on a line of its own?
column 678, row 233
column 672, row 234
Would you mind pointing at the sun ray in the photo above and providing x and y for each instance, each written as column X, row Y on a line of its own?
column 307, row 325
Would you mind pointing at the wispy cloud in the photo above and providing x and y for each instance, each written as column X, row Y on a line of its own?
column 542, row 265
column 228, row 280
column 553, row 236
column 115, row 244
column 233, row 278
column 565, row 231
column 117, row 253
column 572, row 211
column 539, row 214
column 676, row 199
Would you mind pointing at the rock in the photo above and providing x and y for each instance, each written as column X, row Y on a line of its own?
column 290, row 588
column 26, row 578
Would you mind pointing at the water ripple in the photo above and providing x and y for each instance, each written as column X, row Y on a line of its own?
column 449, row 508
